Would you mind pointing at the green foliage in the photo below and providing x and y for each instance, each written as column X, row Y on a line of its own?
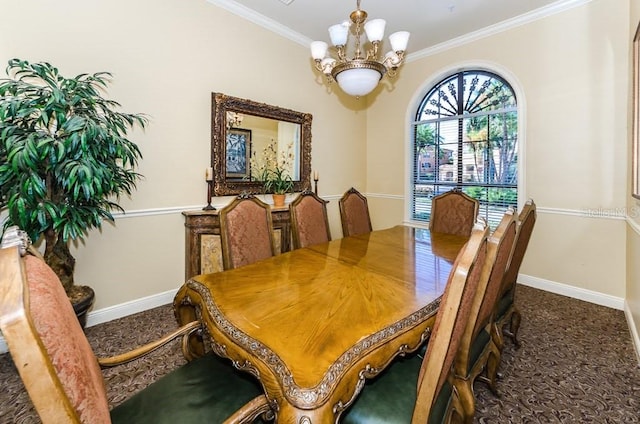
column 276, row 181
column 425, row 136
column 494, row 195
column 273, row 170
column 64, row 155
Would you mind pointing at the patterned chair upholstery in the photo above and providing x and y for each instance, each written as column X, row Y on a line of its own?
column 507, row 312
column 63, row 377
column 246, row 232
column 479, row 351
column 354, row 213
column 309, row 221
column 393, row 396
column 453, row 212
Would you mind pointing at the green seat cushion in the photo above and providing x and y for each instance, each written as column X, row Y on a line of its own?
column 476, row 348
column 206, row 390
column 504, row 303
column 390, row 397
column 478, row 345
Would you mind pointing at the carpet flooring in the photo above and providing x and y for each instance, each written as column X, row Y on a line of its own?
column 576, row 364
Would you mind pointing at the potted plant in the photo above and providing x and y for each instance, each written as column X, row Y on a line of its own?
column 274, row 171
column 64, row 160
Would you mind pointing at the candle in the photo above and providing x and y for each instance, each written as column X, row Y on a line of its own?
column 209, row 174
column 315, row 175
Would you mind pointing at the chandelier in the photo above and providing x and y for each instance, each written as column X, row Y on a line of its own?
column 359, row 75
column 234, row 119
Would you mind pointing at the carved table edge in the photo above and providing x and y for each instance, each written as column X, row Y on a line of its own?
column 309, row 398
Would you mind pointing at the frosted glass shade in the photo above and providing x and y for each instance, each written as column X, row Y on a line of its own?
column 338, row 34
column 318, row 50
column 399, row 41
column 375, row 29
column 358, row 82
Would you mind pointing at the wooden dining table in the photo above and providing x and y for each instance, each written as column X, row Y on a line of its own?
column 312, row 324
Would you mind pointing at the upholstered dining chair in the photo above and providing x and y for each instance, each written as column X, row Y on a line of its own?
column 419, row 390
column 63, row 377
column 507, row 312
column 479, row 356
column 453, row 212
column 246, row 231
column 309, row 221
column 354, row 213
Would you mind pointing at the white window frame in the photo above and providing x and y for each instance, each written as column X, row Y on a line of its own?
column 424, row 89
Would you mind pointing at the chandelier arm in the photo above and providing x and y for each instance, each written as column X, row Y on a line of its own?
column 342, row 57
column 372, row 54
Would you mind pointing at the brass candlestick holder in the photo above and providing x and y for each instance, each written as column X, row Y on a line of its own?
column 208, row 176
column 209, row 207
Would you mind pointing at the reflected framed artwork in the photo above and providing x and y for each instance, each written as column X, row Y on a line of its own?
column 237, row 153
column 636, row 116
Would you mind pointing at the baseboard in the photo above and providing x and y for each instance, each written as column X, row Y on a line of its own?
column 119, row 311
column 633, row 330
column 573, row 292
column 129, row 308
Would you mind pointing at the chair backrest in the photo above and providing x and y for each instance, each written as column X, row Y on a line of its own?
column 526, row 222
column 246, row 231
column 55, row 361
column 354, row 213
column 499, row 247
column 451, row 321
column 453, row 212
column 309, row 221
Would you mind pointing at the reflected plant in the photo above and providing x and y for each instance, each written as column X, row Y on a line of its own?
column 273, row 170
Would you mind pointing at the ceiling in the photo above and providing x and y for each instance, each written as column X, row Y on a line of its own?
column 432, row 23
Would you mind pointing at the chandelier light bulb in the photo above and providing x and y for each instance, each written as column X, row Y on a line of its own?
column 358, row 74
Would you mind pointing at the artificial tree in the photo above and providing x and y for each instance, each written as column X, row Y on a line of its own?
column 64, row 158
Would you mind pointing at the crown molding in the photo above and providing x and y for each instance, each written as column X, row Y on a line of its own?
column 259, row 19
column 526, row 18
column 278, row 28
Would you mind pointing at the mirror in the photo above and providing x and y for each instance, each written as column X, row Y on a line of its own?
column 242, row 129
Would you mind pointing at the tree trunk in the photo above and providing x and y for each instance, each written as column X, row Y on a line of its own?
column 58, row 257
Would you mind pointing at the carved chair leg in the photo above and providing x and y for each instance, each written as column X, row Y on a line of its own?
column 455, row 414
column 513, row 318
column 467, row 399
column 493, row 362
column 497, row 336
column 516, row 318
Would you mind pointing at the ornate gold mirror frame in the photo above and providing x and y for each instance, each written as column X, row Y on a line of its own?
column 225, row 108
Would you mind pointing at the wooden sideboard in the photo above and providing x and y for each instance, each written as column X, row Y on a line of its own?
column 203, row 253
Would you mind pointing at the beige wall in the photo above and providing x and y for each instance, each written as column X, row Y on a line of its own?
column 570, row 71
column 167, row 57
column 633, row 206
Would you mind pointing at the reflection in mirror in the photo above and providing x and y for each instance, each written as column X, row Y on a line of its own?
column 243, row 129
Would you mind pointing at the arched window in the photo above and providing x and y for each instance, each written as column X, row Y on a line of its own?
column 465, row 134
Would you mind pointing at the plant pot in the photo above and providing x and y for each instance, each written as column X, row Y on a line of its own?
column 278, row 200
column 81, row 299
